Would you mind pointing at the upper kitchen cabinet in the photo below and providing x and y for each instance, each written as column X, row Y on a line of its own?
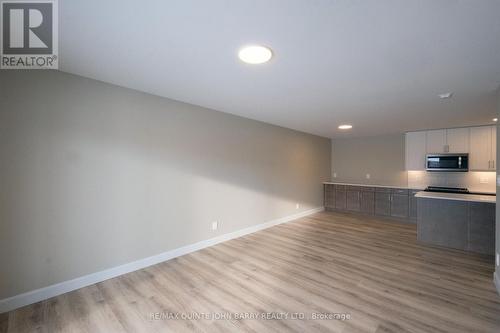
column 455, row 140
column 483, row 148
column 415, row 150
column 479, row 142
column 436, row 141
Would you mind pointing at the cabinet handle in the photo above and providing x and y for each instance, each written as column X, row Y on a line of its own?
column 493, row 164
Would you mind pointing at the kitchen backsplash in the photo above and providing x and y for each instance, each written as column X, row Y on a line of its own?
column 474, row 180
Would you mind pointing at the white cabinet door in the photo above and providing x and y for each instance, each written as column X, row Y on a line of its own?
column 493, row 147
column 415, row 150
column 457, row 140
column 480, row 148
column 436, row 141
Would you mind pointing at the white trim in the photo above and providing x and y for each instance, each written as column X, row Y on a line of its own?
column 11, row 303
column 496, row 280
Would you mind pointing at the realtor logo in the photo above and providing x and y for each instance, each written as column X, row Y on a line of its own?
column 29, row 35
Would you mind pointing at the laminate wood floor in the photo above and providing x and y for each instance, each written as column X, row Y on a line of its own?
column 370, row 270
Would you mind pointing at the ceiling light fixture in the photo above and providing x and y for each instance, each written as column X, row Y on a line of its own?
column 345, row 127
column 495, row 119
column 446, row 95
column 255, row 54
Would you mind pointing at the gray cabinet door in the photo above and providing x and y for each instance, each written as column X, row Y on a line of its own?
column 413, row 204
column 329, row 193
column 399, row 205
column 340, row 197
column 383, row 203
column 482, row 228
column 353, row 199
column 443, row 222
column 367, row 202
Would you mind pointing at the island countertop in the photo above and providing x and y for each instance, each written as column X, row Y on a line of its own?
column 457, row 197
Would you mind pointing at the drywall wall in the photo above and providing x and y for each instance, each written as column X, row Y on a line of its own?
column 497, row 239
column 93, row 176
column 382, row 157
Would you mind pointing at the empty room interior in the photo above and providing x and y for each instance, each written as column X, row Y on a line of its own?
column 249, row 166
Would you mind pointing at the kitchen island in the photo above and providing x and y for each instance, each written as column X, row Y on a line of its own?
column 455, row 220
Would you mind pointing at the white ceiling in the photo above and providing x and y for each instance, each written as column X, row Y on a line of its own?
column 378, row 65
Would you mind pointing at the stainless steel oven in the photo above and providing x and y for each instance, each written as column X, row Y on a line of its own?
column 448, row 162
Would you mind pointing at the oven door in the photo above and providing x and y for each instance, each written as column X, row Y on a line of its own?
column 448, row 162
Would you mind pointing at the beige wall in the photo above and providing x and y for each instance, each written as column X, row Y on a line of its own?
column 93, row 176
column 497, row 240
column 382, row 157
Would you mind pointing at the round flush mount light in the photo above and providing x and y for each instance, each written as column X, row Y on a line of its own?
column 345, row 127
column 255, row 54
column 495, row 119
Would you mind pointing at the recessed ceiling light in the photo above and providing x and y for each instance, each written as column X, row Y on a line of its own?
column 345, row 127
column 255, row 54
column 446, row 95
column 495, row 119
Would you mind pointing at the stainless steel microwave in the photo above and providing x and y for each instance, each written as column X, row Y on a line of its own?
column 447, row 162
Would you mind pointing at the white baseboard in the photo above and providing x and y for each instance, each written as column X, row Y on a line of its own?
column 496, row 279
column 11, row 303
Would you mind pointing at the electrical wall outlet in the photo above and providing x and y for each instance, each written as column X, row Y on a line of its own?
column 335, row 175
column 368, row 176
column 297, row 206
column 483, row 180
column 215, row 225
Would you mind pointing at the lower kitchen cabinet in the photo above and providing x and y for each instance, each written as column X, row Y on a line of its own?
column 468, row 226
column 383, row 203
column 367, row 202
column 482, row 227
column 443, row 222
column 340, row 197
column 400, row 203
column 353, row 199
column 413, row 205
column 329, row 196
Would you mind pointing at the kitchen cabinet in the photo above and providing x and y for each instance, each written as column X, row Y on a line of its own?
column 329, row 193
column 413, row 204
column 353, row 198
column 340, row 197
column 399, row 203
column 457, row 140
column 479, row 142
column 493, row 148
column 436, row 141
column 416, row 150
column 367, row 204
column 383, row 202
column 453, row 140
column 371, row 200
column 482, row 228
column 482, row 155
column 464, row 225
column 443, row 222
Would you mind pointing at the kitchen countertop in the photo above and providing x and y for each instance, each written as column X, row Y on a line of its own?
column 373, row 185
column 457, row 197
column 403, row 187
